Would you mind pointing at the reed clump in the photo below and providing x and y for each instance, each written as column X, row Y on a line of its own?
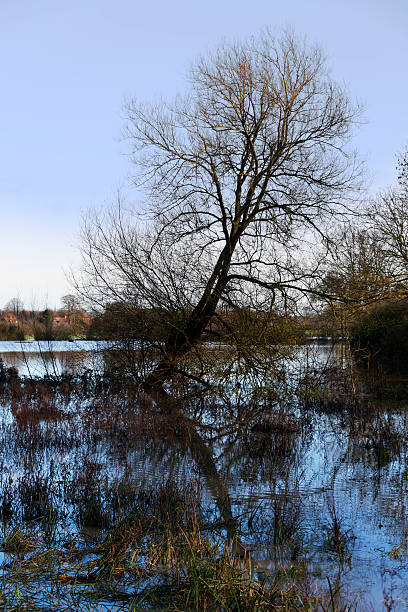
column 86, row 528
column 163, row 556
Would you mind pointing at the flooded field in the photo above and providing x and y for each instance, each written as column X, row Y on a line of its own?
column 304, row 478
column 38, row 358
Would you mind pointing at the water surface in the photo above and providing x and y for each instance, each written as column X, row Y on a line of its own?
column 323, row 483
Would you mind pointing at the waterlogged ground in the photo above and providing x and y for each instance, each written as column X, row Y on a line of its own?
column 39, row 358
column 311, row 478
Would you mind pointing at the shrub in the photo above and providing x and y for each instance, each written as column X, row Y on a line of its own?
column 380, row 335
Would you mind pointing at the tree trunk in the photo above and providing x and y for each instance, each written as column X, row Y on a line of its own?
column 184, row 340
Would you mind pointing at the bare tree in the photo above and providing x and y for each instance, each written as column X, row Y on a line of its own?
column 242, row 174
column 368, row 260
column 357, row 274
column 15, row 305
column 71, row 302
column 389, row 220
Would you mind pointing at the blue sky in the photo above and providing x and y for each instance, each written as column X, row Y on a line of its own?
column 66, row 68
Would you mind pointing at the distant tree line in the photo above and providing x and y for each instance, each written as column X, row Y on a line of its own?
column 120, row 322
column 18, row 323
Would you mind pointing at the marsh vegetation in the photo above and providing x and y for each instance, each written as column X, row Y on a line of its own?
column 286, row 495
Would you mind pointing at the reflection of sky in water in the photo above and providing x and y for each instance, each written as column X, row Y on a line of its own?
column 41, row 358
column 322, row 468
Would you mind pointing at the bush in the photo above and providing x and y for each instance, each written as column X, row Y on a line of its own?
column 11, row 332
column 380, row 335
column 7, row 374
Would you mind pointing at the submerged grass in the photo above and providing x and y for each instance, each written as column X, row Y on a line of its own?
column 164, row 555
column 184, row 570
column 81, row 532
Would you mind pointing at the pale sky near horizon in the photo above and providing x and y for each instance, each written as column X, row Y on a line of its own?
column 67, row 67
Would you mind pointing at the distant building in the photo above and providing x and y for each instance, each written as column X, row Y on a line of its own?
column 61, row 319
column 9, row 317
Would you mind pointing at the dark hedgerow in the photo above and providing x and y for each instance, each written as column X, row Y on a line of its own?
column 380, row 336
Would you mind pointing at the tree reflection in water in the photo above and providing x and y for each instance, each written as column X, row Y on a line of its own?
column 295, row 478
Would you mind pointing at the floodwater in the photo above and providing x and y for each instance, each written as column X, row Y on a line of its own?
column 39, row 358
column 325, row 482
